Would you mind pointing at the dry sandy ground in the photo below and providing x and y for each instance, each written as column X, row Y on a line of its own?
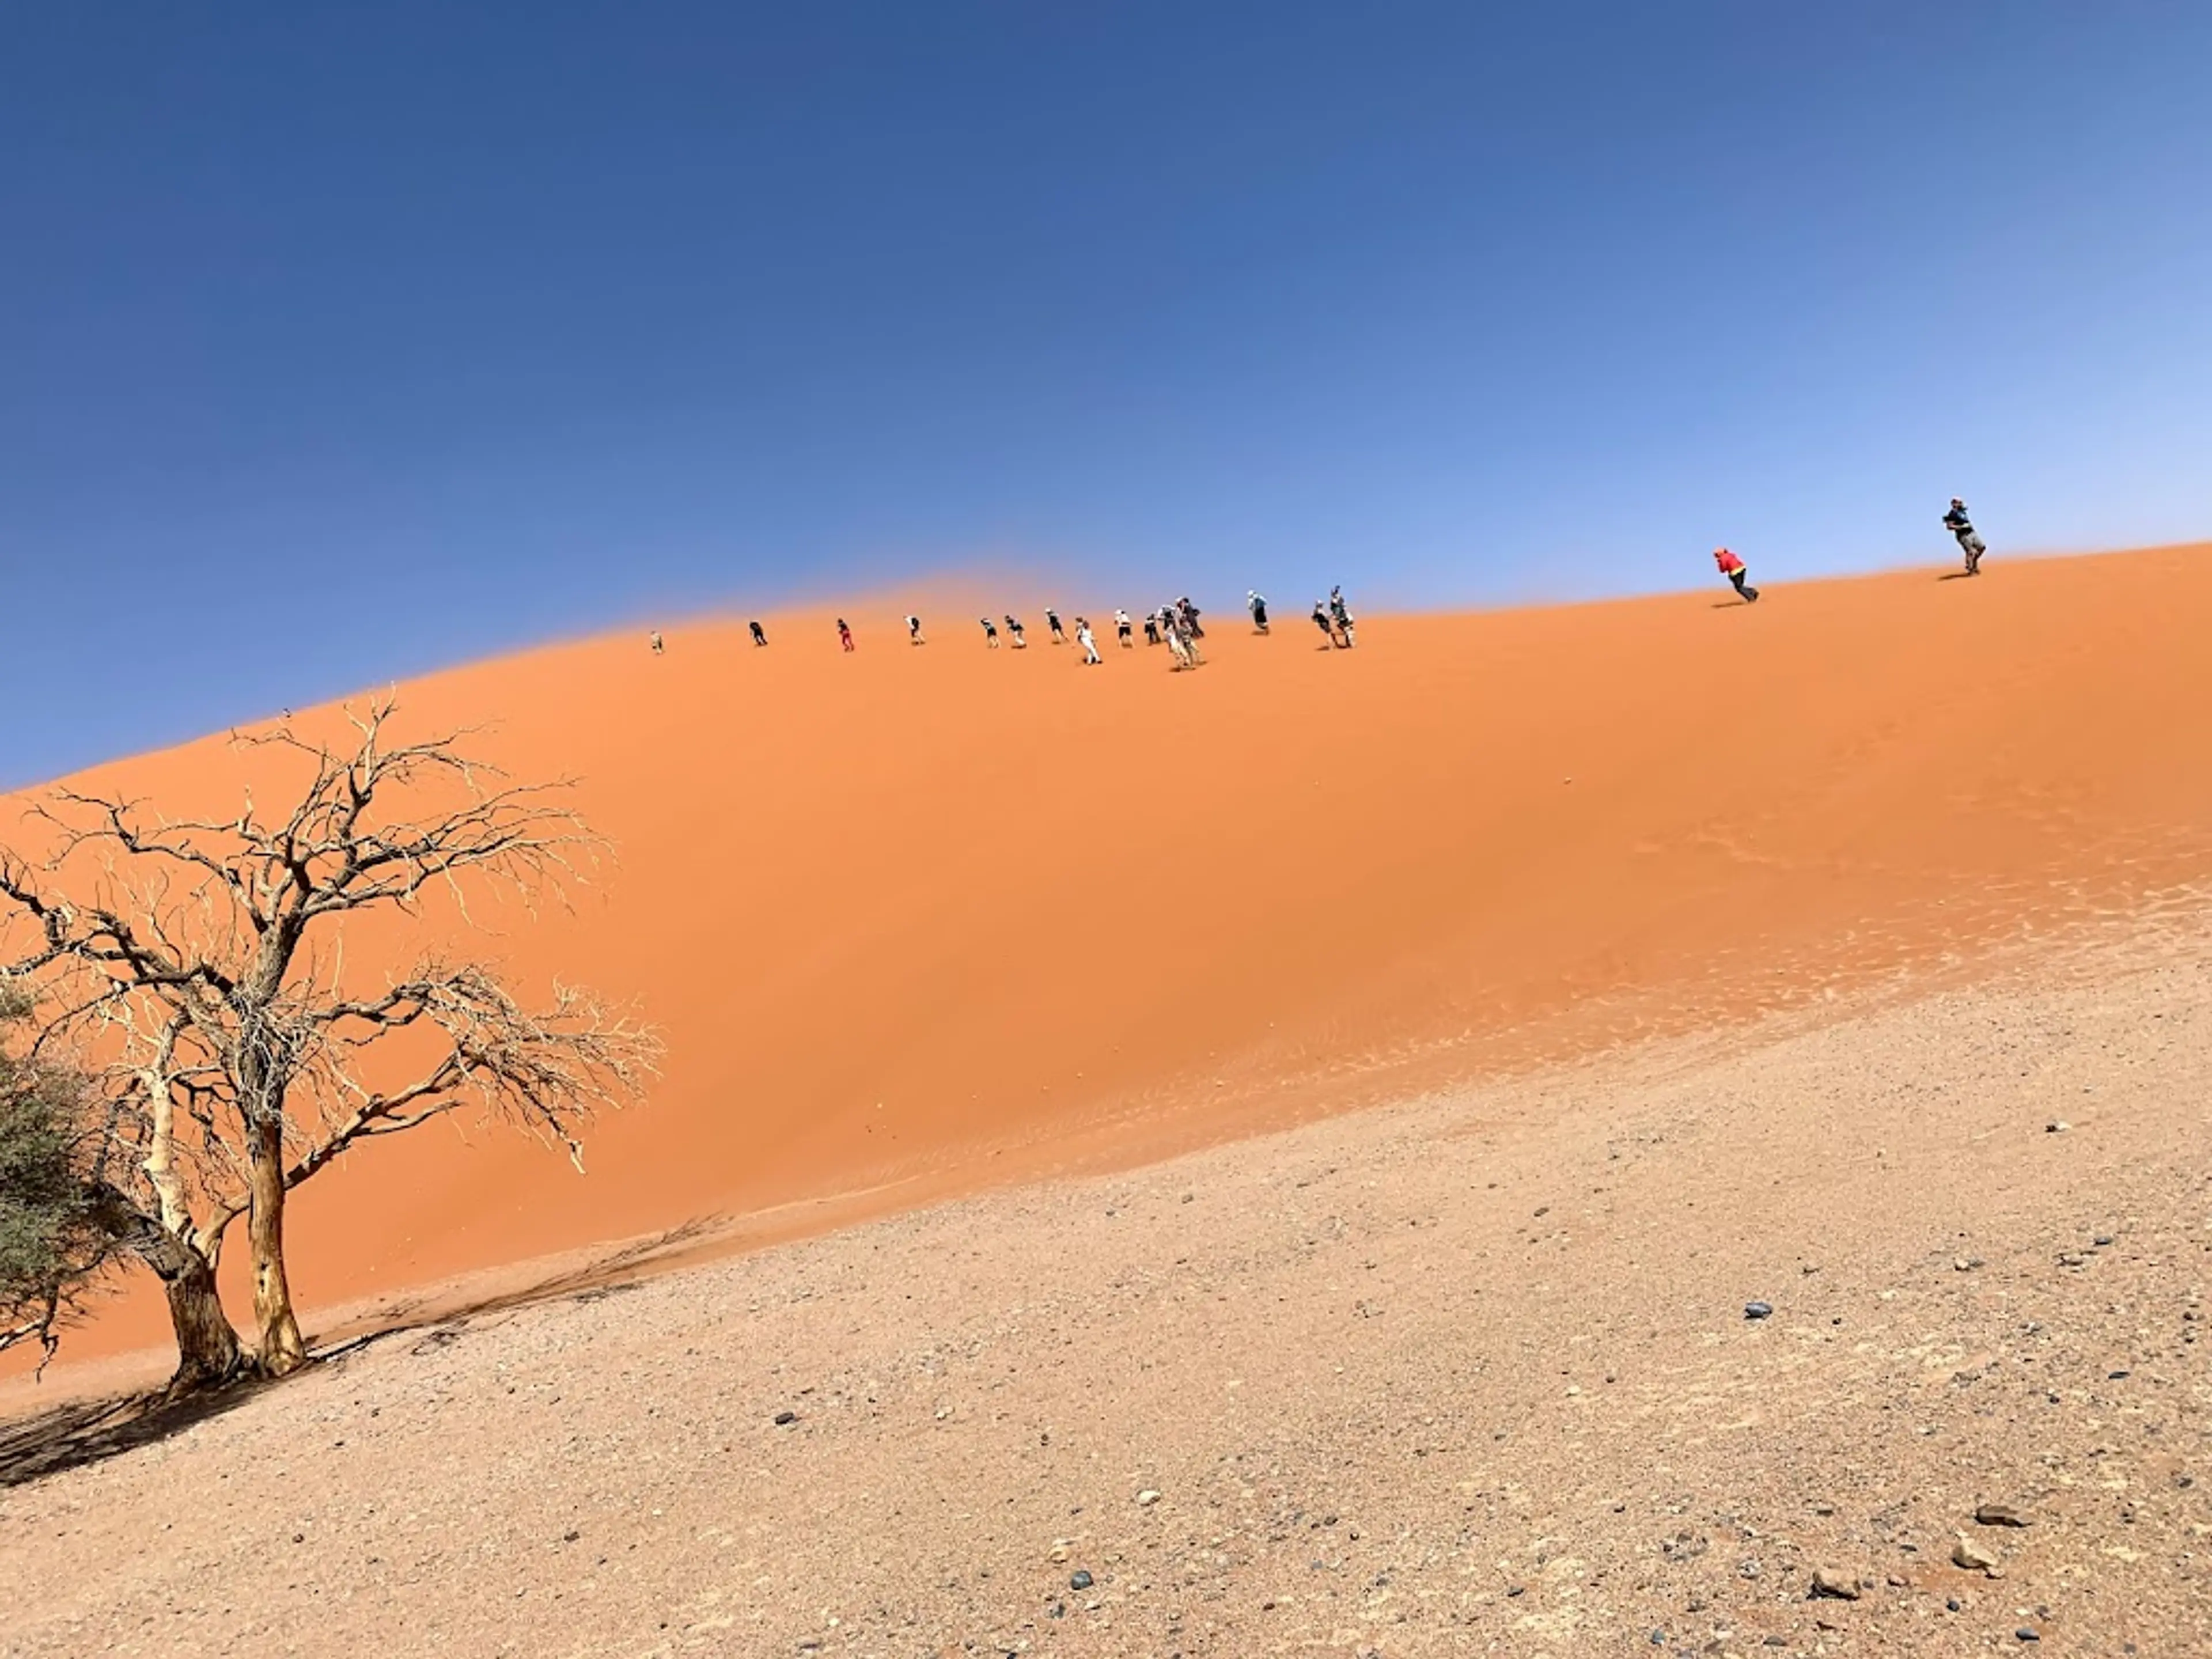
column 914, row 918
column 1469, row 1375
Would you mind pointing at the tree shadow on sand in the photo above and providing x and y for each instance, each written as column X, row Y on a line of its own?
column 79, row 1433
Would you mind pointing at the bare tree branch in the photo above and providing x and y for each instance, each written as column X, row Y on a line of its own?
column 235, row 1060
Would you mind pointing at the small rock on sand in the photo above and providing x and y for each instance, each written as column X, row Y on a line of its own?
column 1999, row 1515
column 1147, row 1498
column 1971, row 1556
column 1838, row 1586
column 1758, row 1309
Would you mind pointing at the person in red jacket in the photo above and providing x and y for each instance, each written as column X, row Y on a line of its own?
column 1734, row 569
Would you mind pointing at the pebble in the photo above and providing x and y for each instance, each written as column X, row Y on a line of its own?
column 1080, row 1580
column 1951, row 1603
column 1839, row 1586
column 2027, row 1635
column 2102, row 1239
column 2057, row 1126
column 1147, row 1498
column 785, row 1419
column 1972, row 1557
column 2000, row 1514
column 1758, row 1309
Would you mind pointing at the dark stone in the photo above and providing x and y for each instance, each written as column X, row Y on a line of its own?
column 2027, row 1635
column 1081, row 1581
column 1758, row 1311
column 784, row 1419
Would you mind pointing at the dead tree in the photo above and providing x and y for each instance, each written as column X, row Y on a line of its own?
column 200, row 966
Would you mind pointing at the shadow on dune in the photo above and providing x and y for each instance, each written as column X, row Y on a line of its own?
column 85, row 1431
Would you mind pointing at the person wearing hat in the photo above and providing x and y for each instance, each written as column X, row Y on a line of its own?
column 1256, row 603
column 1969, row 541
column 1738, row 574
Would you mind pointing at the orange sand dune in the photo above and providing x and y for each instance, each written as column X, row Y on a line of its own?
column 912, row 918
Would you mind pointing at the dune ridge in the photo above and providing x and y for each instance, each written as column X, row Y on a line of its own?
column 919, row 919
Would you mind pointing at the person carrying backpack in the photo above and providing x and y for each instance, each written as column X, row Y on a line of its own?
column 1969, row 541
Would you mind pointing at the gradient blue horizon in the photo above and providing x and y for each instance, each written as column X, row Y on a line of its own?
column 342, row 343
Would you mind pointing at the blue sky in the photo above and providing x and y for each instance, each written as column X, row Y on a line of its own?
column 340, row 342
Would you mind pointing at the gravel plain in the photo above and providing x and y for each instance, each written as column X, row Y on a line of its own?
column 1469, row 1375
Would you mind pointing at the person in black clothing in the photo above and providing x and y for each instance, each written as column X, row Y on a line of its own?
column 1340, row 614
column 1969, row 541
column 1256, row 603
column 990, row 632
column 1152, row 627
column 760, row 634
column 1322, row 621
column 914, row 629
column 1189, row 614
column 1014, row 627
column 1052, row 622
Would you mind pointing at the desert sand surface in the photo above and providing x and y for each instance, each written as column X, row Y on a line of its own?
column 919, row 921
column 1471, row 1374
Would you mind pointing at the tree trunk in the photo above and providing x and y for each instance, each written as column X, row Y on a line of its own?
column 207, row 1347
column 283, row 1349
